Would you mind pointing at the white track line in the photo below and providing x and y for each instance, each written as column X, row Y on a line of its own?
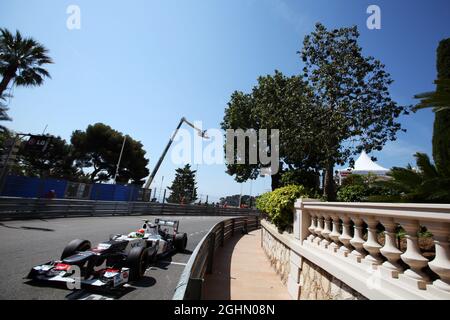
column 176, row 263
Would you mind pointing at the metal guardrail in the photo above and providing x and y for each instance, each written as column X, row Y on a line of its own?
column 201, row 261
column 27, row 208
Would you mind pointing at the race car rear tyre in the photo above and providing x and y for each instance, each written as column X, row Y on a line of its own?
column 74, row 246
column 137, row 261
column 180, row 242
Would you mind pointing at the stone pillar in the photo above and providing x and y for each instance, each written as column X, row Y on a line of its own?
column 318, row 230
column 326, row 231
column 391, row 267
column 413, row 257
column 373, row 259
column 334, row 235
column 441, row 263
column 357, row 241
column 345, row 236
column 302, row 220
column 312, row 227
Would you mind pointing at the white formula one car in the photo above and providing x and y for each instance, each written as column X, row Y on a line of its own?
column 112, row 263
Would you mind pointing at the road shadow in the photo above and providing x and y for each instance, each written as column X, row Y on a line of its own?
column 186, row 252
column 99, row 294
column 163, row 262
column 144, row 282
column 217, row 285
column 26, row 228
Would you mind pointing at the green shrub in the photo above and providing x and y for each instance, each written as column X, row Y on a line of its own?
column 359, row 188
column 352, row 193
column 279, row 204
column 261, row 201
column 353, row 179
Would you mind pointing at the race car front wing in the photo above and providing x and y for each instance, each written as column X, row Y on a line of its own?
column 59, row 272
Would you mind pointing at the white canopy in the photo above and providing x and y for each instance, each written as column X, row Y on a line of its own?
column 364, row 165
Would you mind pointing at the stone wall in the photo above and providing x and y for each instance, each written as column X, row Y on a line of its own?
column 317, row 284
column 278, row 254
column 305, row 280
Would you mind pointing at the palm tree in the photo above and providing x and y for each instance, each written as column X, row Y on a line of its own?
column 3, row 114
column 439, row 100
column 21, row 60
column 424, row 184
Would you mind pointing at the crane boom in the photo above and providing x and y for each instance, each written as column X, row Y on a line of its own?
column 166, row 149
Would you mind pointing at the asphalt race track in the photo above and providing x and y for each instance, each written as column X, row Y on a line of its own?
column 24, row 244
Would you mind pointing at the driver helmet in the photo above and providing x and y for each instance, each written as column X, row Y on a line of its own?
column 140, row 233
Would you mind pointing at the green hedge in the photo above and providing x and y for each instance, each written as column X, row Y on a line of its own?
column 279, row 204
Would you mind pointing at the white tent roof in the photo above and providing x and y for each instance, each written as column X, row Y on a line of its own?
column 365, row 165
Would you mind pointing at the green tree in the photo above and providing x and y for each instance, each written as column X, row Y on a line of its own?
column 183, row 189
column 22, row 60
column 440, row 102
column 277, row 102
column 351, row 90
column 300, row 177
column 56, row 161
column 98, row 148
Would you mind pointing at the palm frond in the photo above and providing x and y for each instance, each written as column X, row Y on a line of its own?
column 408, row 179
column 426, row 167
column 26, row 56
column 439, row 100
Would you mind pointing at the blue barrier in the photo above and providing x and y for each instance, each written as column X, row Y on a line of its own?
column 31, row 187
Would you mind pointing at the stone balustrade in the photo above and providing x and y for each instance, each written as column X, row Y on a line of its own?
column 344, row 239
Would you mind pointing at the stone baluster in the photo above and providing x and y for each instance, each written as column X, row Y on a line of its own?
column 441, row 263
column 357, row 241
column 373, row 259
column 318, row 230
column 334, row 235
column 345, row 236
column 312, row 227
column 413, row 257
column 391, row 267
column 326, row 231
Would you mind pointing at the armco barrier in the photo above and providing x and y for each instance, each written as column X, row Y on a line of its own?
column 26, row 208
column 201, row 261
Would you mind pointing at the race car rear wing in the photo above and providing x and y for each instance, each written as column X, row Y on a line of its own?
column 168, row 223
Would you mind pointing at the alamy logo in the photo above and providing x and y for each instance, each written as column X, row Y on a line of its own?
column 374, row 20
column 73, row 21
column 251, row 147
column 76, row 276
column 260, row 151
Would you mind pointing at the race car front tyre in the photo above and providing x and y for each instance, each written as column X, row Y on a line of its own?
column 180, row 242
column 74, row 246
column 137, row 261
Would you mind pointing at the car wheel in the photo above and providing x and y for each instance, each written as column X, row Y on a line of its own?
column 137, row 261
column 74, row 246
column 180, row 242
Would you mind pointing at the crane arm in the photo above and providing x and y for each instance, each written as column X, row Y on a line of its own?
column 160, row 160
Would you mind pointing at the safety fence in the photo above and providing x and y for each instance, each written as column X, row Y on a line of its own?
column 26, row 208
column 202, row 259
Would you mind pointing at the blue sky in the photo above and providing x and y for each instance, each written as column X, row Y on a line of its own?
column 139, row 66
